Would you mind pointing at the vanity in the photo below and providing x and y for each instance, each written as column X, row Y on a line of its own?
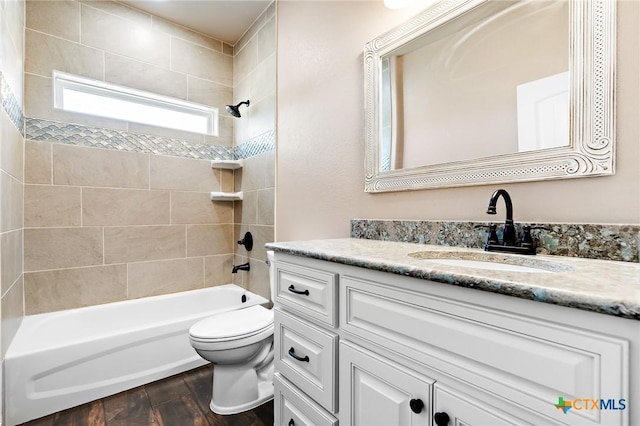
column 388, row 333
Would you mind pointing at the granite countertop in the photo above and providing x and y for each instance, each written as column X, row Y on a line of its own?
column 603, row 286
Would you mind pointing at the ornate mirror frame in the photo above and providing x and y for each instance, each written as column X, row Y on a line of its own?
column 591, row 151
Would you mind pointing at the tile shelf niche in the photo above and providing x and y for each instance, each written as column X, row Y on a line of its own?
column 228, row 165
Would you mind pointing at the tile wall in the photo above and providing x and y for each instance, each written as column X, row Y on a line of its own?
column 254, row 79
column 109, row 41
column 11, row 176
column 103, row 225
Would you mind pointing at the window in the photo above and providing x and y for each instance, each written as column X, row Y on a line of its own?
column 87, row 96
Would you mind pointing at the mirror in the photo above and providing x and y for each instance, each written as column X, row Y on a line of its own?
column 472, row 92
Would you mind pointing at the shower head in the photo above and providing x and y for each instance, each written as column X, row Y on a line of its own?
column 235, row 109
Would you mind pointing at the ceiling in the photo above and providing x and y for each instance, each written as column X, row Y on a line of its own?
column 225, row 20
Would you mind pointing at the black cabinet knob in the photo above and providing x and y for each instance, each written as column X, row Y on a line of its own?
column 416, row 405
column 441, row 419
column 291, row 423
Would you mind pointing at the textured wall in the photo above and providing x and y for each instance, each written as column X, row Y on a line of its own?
column 320, row 138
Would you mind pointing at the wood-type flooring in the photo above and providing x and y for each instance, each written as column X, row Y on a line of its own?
column 180, row 400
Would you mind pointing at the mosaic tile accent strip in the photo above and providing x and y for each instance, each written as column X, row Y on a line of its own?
column 11, row 105
column 261, row 143
column 591, row 241
column 76, row 134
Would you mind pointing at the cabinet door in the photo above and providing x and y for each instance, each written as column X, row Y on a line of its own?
column 377, row 392
column 455, row 408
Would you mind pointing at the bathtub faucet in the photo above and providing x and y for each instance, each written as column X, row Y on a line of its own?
column 243, row 267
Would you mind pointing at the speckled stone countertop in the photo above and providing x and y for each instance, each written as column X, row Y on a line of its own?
column 603, row 286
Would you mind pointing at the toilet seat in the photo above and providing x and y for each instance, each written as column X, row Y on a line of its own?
column 233, row 328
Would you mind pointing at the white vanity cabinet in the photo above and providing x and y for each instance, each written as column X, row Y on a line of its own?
column 386, row 349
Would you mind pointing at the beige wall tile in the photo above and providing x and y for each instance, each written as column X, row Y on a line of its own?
column 105, row 206
column 53, row 248
column 124, row 37
column 207, row 240
column 183, row 174
column 217, row 270
column 39, row 104
column 262, row 118
column 11, row 203
column 10, row 258
column 210, row 93
column 265, row 207
column 197, row 208
column 59, row 18
column 74, row 288
column 143, row 19
column 201, row 62
column 165, row 276
column 12, row 52
column 257, row 280
column 11, row 147
column 12, row 313
column 228, row 181
column 45, row 53
column 37, row 162
column 186, row 34
column 140, row 75
column 245, row 210
column 47, row 206
column 246, row 60
column 267, row 40
column 73, row 165
column 141, row 243
column 262, row 82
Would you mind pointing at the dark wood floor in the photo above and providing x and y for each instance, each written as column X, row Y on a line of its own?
column 180, row 400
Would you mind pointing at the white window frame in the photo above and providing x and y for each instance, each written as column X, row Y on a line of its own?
column 63, row 82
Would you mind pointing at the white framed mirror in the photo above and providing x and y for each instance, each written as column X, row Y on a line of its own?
column 473, row 92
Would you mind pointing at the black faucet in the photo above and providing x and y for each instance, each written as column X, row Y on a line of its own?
column 510, row 243
column 509, row 232
column 243, row 267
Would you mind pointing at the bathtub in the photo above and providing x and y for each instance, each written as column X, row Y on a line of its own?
column 62, row 359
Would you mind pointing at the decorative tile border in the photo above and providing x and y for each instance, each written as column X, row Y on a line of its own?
column 76, row 134
column 592, row 241
column 11, row 105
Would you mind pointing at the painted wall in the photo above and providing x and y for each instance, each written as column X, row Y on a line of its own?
column 320, row 158
column 11, row 176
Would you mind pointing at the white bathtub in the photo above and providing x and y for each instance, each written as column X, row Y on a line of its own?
column 62, row 359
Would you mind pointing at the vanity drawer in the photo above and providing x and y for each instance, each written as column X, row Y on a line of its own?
column 292, row 407
column 309, row 291
column 306, row 355
column 527, row 360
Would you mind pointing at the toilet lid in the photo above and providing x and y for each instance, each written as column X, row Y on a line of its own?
column 233, row 324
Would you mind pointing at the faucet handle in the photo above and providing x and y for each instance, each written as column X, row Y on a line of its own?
column 493, row 236
column 526, row 240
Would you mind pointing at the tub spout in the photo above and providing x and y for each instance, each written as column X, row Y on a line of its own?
column 243, row 267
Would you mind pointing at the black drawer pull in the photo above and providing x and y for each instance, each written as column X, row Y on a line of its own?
column 291, row 423
column 416, row 405
column 292, row 353
column 292, row 289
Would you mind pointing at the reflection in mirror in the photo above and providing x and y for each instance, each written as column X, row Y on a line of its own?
column 480, row 91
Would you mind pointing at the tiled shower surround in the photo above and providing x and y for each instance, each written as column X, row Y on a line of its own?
column 117, row 210
column 593, row 241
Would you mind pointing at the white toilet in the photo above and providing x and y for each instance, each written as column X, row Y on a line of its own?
column 239, row 344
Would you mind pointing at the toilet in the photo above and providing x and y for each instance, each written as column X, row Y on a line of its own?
column 239, row 344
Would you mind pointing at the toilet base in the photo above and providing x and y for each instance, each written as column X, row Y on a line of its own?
column 265, row 394
column 237, row 388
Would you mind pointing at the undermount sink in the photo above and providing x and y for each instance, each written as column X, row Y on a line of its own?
column 491, row 261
